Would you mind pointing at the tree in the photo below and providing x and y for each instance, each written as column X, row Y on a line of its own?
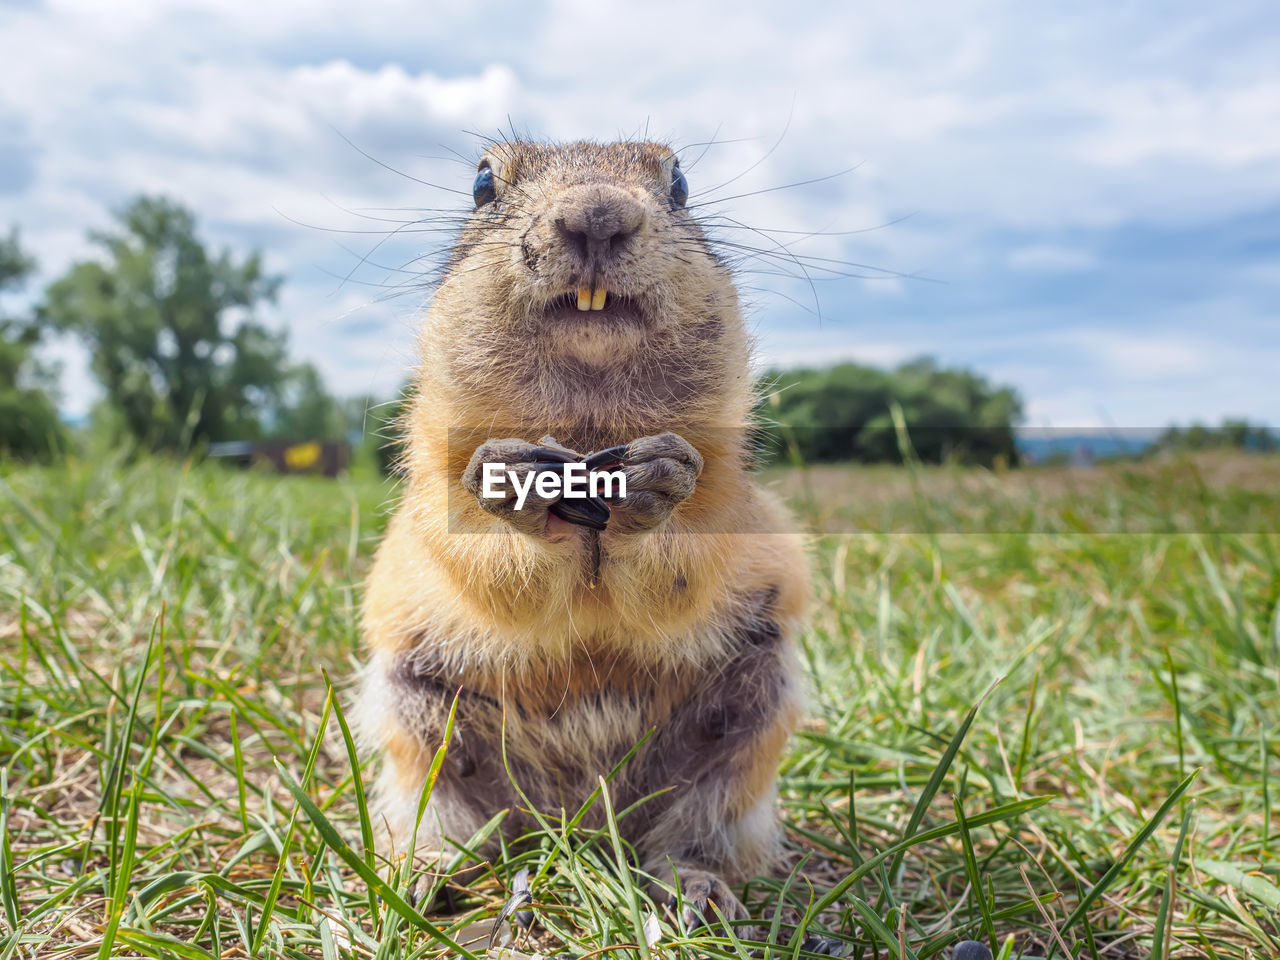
column 845, row 412
column 1233, row 434
column 170, row 328
column 306, row 410
column 29, row 424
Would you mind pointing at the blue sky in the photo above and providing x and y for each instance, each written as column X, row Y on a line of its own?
column 1092, row 189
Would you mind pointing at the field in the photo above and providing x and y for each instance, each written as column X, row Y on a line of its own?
column 1045, row 714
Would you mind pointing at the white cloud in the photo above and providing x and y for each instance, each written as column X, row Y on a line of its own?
column 1223, row 128
column 1146, row 357
column 873, row 354
column 1051, row 258
column 990, row 121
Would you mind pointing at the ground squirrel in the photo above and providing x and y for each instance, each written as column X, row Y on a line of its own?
column 583, row 302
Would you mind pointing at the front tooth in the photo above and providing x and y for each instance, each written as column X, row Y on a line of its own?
column 597, row 298
column 584, row 298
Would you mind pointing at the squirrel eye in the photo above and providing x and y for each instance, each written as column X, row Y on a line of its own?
column 483, row 189
column 679, row 188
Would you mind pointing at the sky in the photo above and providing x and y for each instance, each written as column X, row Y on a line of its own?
column 1079, row 200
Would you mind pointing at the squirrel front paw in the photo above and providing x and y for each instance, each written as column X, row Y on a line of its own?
column 661, row 472
column 512, row 494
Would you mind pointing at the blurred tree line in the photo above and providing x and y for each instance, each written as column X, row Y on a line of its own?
column 173, row 334
column 1231, row 434
column 846, row 413
column 173, row 338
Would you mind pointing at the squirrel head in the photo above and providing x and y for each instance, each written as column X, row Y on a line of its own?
column 585, row 247
column 581, row 269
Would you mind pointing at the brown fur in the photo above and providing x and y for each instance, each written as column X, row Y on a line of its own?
column 688, row 631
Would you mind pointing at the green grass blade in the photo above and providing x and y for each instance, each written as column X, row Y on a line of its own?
column 873, row 925
column 971, row 870
column 163, row 945
column 8, row 886
column 356, row 863
column 361, row 802
column 124, row 873
column 1123, row 860
column 1025, row 747
column 1160, row 938
column 624, row 871
column 237, row 756
column 935, row 780
column 428, row 788
column 1233, row 875
column 1006, row 811
column 277, row 879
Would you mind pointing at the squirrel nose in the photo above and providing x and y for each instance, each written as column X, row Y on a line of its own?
column 598, row 222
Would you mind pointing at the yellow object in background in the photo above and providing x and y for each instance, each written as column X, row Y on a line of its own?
column 302, row 456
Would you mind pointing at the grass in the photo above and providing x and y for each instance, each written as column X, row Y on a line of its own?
column 1064, row 740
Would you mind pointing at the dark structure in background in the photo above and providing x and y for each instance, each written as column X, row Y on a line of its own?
column 325, row 459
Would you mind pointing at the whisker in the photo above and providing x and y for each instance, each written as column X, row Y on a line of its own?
column 767, row 154
column 785, row 186
column 387, row 166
